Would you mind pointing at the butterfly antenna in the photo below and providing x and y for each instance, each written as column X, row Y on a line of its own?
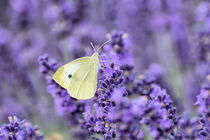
column 93, row 46
column 104, row 44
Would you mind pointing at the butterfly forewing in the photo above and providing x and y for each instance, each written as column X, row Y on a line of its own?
column 64, row 74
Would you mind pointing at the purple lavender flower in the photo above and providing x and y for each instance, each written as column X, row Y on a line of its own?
column 19, row 130
column 130, row 102
column 186, row 128
column 203, row 65
column 160, row 115
column 96, row 120
column 203, row 100
column 65, row 105
column 120, row 44
column 111, row 107
column 113, row 114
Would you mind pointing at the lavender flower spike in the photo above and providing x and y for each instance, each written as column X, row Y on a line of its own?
column 19, row 130
column 203, row 102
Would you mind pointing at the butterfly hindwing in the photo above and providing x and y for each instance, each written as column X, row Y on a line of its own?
column 89, row 86
column 84, row 82
column 64, row 74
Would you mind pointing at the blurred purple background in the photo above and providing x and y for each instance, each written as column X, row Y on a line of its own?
column 165, row 41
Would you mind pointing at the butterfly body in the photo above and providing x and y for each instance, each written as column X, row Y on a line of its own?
column 79, row 77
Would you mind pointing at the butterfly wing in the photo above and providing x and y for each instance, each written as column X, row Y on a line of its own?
column 84, row 82
column 64, row 74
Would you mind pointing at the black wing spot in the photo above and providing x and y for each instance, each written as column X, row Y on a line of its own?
column 69, row 76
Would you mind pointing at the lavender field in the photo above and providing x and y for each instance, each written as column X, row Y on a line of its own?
column 153, row 78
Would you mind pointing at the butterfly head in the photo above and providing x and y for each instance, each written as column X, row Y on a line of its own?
column 95, row 55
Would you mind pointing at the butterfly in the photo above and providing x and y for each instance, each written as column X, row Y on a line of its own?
column 79, row 77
